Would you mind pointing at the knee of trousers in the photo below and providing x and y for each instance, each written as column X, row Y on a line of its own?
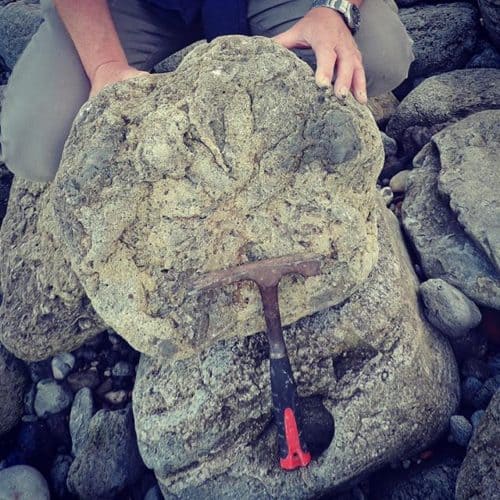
column 24, row 151
column 388, row 66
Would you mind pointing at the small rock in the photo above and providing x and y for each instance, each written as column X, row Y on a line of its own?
column 390, row 145
column 476, row 418
column 448, row 309
column 387, row 195
column 123, row 369
column 59, row 474
column 81, row 413
column 153, row 493
column 398, row 182
column 483, row 396
column 105, row 387
column 22, row 482
column 107, row 372
column 87, row 378
column 62, row 364
column 461, row 430
column 116, row 397
column 108, row 461
column 51, row 398
column 470, row 387
column 39, row 370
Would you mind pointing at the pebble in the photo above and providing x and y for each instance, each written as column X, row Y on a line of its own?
column 62, row 364
column 123, row 369
column 390, row 145
column 22, row 482
column 448, row 309
column 116, row 397
column 153, row 493
column 387, row 195
column 470, row 387
column 81, row 413
column 51, row 398
column 87, row 378
column 398, row 182
column 461, row 430
column 476, row 418
column 483, row 396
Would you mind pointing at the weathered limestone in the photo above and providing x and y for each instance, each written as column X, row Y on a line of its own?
column 390, row 382
column 235, row 156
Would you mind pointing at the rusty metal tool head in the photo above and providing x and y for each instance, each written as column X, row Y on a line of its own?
column 267, row 275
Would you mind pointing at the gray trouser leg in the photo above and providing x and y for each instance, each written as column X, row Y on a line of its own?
column 382, row 39
column 48, row 84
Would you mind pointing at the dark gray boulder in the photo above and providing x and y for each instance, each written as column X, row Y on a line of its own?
column 444, row 36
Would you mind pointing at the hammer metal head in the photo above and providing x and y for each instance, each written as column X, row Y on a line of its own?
column 266, row 273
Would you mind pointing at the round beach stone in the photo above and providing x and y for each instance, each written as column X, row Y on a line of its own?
column 448, row 309
column 236, row 156
column 22, row 482
column 51, row 398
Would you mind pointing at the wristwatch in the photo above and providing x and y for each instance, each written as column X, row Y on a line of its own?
column 351, row 13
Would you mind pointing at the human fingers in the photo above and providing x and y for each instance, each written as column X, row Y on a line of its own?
column 344, row 74
column 326, row 58
column 359, row 84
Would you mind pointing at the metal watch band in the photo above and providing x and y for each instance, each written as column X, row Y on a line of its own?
column 348, row 10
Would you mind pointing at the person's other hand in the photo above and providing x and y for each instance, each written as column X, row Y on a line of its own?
column 325, row 32
column 112, row 72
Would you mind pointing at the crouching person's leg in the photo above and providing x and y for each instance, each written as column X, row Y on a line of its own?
column 382, row 39
column 47, row 87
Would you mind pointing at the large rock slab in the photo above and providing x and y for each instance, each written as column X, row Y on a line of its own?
column 444, row 249
column 44, row 309
column 490, row 12
column 18, row 23
column 435, row 102
column 470, row 177
column 444, row 36
column 479, row 475
column 236, row 156
column 204, row 423
column 13, row 382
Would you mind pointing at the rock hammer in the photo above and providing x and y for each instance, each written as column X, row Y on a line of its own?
column 267, row 275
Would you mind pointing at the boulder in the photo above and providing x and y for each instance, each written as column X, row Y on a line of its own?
column 479, row 475
column 13, row 383
column 444, row 249
column 204, row 424
column 236, row 156
column 44, row 309
column 434, row 101
column 490, row 12
column 18, row 23
column 108, row 461
column 444, row 36
column 470, row 177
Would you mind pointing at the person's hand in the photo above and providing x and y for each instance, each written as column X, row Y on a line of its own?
column 112, row 72
column 324, row 31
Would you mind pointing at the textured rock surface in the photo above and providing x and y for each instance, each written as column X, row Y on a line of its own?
column 430, row 481
column 108, row 461
column 203, row 424
column 435, row 101
column 235, row 157
column 479, row 475
column 448, row 309
column 470, row 177
column 44, row 308
column 18, row 23
column 13, row 382
column 23, row 482
column 490, row 12
column 444, row 36
column 444, row 249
